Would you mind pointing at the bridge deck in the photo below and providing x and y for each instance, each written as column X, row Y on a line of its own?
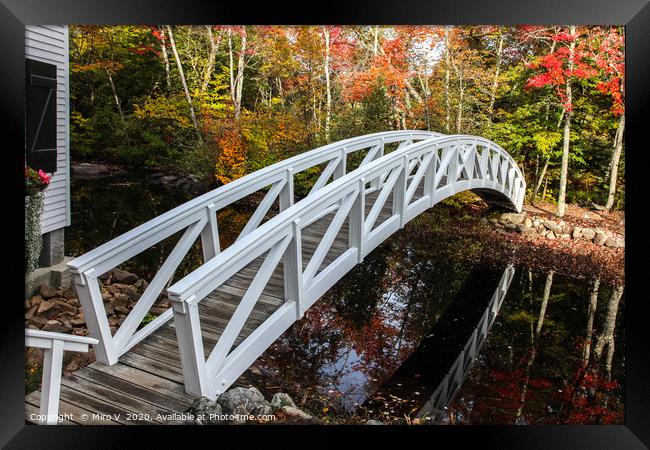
column 148, row 380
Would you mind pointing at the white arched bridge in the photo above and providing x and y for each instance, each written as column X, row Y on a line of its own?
column 231, row 308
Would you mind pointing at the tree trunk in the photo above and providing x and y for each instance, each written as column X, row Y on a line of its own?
column 540, row 179
column 117, row 99
column 231, row 67
column 214, row 45
column 561, row 205
column 240, row 75
column 461, row 94
column 593, row 303
column 163, row 45
column 447, row 74
column 547, row 293
column 328, row 110
column 495, row 83
column 533, row 349
column 616, row 156
column 184, row 83
column 606, row 337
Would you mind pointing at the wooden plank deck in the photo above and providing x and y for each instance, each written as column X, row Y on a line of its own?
column 146, row 385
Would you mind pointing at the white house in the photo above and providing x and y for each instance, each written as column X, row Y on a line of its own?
column 47, row 128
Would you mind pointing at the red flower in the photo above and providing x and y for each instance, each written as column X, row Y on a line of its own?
column 44, row 177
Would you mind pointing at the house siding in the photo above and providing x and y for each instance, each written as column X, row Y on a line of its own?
column 49, row 43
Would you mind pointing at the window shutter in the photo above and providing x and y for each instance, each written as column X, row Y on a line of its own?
column 40, row 115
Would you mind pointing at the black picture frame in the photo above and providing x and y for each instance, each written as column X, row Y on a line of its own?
column 634, row 14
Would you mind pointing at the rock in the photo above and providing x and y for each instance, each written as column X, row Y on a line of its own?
column 206, row 412
column 114, row 289
column 565, row 236
column 555, row 228
column 550, row 235
column 526, row 231
column 600, row 237
column 528, row 223
column 38, row 321
column 77, row 321
column 44, row 306
column 60, row 306
column 543, row 232
column 47, row 291
column 30, row 312
column 36, row 300
column 122, row 276
column 588, row 234
column 106, row 277
column 120, row 300
column 281, row 399
column 373, row 422
column 56, row 326
column 244, row 401
column 70, row 292
column 289, row 412
column 514, row 218
column 131, row 292
column 141, row 285
column 511, row 226
column 484, row 221
column 577, row 233
column 615, row 242
column 89, row 170
column 493, row 220
column 122, row 309
column 536, row 222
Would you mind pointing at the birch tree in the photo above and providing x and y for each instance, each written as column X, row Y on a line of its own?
column 181, row 73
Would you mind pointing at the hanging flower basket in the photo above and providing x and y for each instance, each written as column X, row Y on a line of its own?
column 35, row 184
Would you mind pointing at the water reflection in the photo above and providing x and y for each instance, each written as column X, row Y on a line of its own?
column 380, row 342
column 435, row 409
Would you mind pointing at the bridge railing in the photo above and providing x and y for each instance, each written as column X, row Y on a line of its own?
column 198, row 218
column 446, row 391
column 443, row 165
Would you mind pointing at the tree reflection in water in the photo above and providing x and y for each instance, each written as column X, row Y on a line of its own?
column 380, row 341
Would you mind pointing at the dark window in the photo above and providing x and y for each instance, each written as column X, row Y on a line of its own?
column 40, row 115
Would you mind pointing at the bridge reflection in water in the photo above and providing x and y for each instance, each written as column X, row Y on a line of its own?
column 435, row 409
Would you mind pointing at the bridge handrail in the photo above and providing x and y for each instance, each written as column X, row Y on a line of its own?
column 198, row 217
column 225, row 195
column 183, row 288
column 437, row 159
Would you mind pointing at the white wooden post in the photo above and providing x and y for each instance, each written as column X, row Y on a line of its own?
column 90, row 297
column 430, row 176
column 292, row 260
column 377, row 182
column 357, row 218
column 292, row 267
column 452, row 168
column 190, row 346
column 210, row 235
column 54, row 344
column 399, row 192
column 341, row 167
column 51, row 385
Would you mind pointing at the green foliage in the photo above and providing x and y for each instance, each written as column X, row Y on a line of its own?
column 33, row 377
column 128, row 103
column 33, row 239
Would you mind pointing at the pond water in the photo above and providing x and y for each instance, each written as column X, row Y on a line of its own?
column 378, row 344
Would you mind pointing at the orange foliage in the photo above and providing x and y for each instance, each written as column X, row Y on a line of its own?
column 231, row 162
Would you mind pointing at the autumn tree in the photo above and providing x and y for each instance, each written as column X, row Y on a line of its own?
column 558, row 69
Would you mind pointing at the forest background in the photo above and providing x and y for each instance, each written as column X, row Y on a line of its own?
column 223, row 101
